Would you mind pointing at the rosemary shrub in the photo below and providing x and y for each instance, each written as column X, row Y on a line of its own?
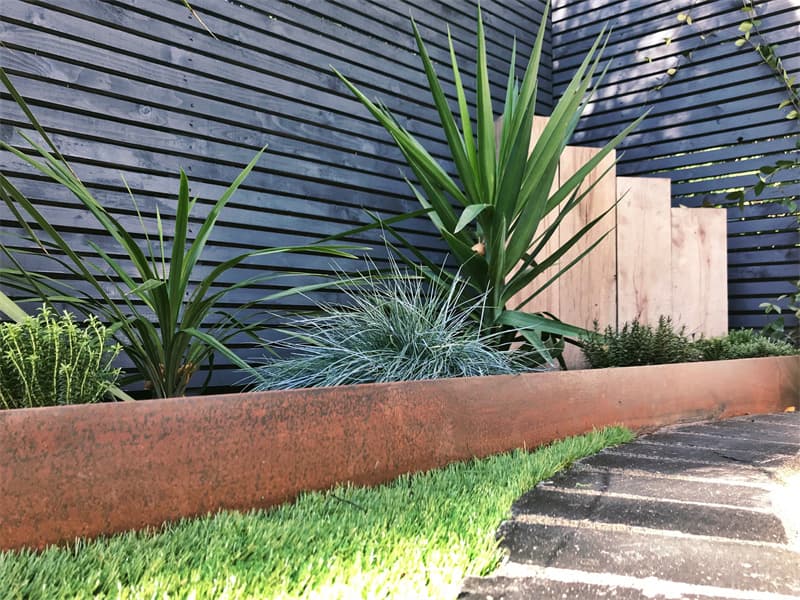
column 639, row 344
column 50, row 360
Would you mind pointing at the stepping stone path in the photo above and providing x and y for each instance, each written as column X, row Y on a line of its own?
column 702, row 511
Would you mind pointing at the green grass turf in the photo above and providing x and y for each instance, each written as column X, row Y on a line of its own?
column 416, row 537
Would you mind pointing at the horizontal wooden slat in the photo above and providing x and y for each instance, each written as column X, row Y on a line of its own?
column 138, row 88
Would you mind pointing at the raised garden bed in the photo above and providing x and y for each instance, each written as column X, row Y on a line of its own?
column 77, row 471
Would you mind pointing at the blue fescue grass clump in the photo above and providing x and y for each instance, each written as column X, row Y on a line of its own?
column 417, row 537
column 395, row 327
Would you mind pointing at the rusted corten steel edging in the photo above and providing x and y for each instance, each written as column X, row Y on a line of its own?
column 89, row 470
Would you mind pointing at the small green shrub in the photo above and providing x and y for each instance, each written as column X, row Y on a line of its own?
column 395, row 328
column 638, row 344
column 743, row 343
column 48, row 360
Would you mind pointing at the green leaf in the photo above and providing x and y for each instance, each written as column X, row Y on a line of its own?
column 470, row 213
column 221, row 348
column 487, row 155
column 536, row 322
column 11, row 309
column 454, row 139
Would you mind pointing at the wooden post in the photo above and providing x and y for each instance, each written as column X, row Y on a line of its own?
column 699, row 270
column 644, row 250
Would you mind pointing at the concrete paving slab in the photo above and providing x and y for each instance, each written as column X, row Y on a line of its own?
column 513, row 588
column 658, row 449
column 696, row 519
column 706, row 510
column 653, row 486
column 552, row 584
column 641, row 553
column 725, row 443
column 743, row 474
column 767, row 432
column 787, row 418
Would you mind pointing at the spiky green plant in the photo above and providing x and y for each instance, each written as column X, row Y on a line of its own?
column 166, row 326
column 48, row 360
column 394, row 327
column 499, row 232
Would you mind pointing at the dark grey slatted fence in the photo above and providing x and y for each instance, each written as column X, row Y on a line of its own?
column 137, row 87
column 713, row 123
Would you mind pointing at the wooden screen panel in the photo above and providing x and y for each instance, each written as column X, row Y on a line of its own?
column 142, row 89
column 588, row 290
column 699, row 270
column 644, row 250
column 709, row 146
column 547, row 300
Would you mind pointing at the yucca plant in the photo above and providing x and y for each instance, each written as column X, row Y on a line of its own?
column 166, row 326
column 492, row 214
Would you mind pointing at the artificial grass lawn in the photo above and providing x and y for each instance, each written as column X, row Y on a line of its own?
column 416, row 537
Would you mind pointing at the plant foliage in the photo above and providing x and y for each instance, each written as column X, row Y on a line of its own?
column 395, row 328
column 497, row 232
column 47, row 360
column 743, row 343
column 167, row 326
column 639, row 344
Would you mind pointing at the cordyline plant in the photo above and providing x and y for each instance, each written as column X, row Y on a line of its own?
column 168, row 327
column 497, row 230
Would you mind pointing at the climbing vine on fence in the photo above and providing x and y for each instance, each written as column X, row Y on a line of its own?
column 751, row 37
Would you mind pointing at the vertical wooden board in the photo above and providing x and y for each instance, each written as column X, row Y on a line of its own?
column 588, row 290
column 699, row 270
column 644, row 241
column 548, row 300
column 539, row 124
column 536, row 130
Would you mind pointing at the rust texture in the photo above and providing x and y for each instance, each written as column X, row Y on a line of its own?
column 83, row 471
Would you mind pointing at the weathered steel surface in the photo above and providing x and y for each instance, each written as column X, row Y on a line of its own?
column 97, row 469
